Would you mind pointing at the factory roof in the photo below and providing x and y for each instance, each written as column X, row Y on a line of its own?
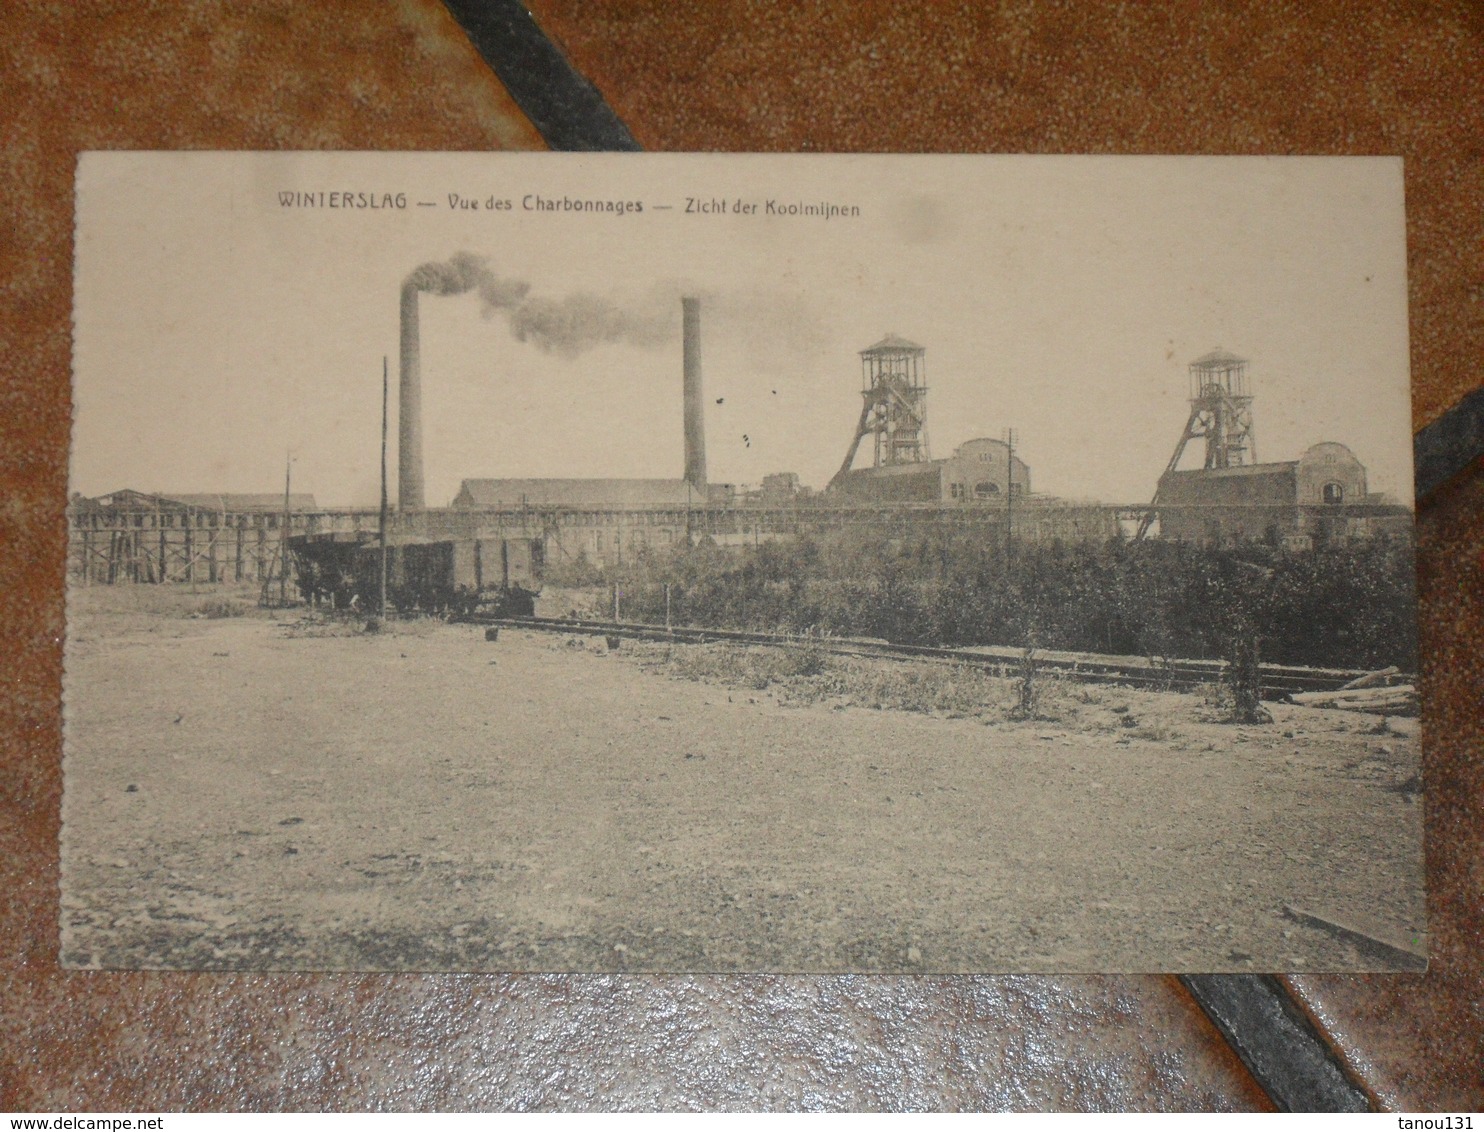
column 127, row 499
column 244, row 501
column 598, row 494
column 1280, row 468
column 913, row 468
column 891, row 344
column 1218, row 359
column 1325, row 453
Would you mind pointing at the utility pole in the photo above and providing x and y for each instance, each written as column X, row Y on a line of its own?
column 385, row 384
column 283, row 536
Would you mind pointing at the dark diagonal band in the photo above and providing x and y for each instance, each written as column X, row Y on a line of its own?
column 1450, row 444
column 1289, row 1059
column 564, row 106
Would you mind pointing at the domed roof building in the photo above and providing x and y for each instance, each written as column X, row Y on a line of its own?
column 1319, row 497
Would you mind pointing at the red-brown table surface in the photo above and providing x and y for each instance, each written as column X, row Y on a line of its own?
column 1046, row 77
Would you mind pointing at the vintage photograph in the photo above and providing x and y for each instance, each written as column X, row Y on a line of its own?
column 740, row 563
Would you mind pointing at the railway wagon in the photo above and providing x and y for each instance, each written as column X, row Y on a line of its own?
column 439, row 576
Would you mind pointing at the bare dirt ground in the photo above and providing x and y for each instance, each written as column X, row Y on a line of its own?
column 246, row 792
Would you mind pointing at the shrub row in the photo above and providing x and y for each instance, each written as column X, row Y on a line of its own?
column 1346, row 605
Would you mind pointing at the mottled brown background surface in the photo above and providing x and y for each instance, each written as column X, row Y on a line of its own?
column 1047, row 77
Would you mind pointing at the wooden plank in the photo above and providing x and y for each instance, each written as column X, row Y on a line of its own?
column 1372, row 679
column 1355, row 695
column 1359, row 699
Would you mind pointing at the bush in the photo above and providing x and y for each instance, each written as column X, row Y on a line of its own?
column 1027, row 687
column 1344, row 605
column 217, row 608
column 957, row 690
column 809, row 675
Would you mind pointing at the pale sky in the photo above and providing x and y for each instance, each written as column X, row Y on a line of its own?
column 1062, row 296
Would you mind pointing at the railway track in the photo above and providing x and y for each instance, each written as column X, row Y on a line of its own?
column 1277, row 680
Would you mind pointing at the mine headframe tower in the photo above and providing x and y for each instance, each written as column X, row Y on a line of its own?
column 894, row 411
column 1220, row 414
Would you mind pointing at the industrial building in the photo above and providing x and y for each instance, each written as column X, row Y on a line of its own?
column 605, row 521
column 601, row 521
column 136, row 536
column 1317, row 498
column 608, row 520
column 983, row 482
column 984, row 485
column 979, row 473
column 1320, row 497
column 894, row 415
column 589, row 495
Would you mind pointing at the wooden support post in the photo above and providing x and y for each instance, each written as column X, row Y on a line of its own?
column 238, row 556
column 211, row 569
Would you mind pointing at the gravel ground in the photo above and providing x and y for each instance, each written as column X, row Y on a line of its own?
column 250, row 793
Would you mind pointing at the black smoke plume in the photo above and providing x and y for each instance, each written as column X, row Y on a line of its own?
column 567, row 326
column 466, row 272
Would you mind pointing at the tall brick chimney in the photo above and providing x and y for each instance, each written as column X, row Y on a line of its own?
column 695, row 405
column 410, row 409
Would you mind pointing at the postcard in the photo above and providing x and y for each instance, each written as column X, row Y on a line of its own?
column 740, row 563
